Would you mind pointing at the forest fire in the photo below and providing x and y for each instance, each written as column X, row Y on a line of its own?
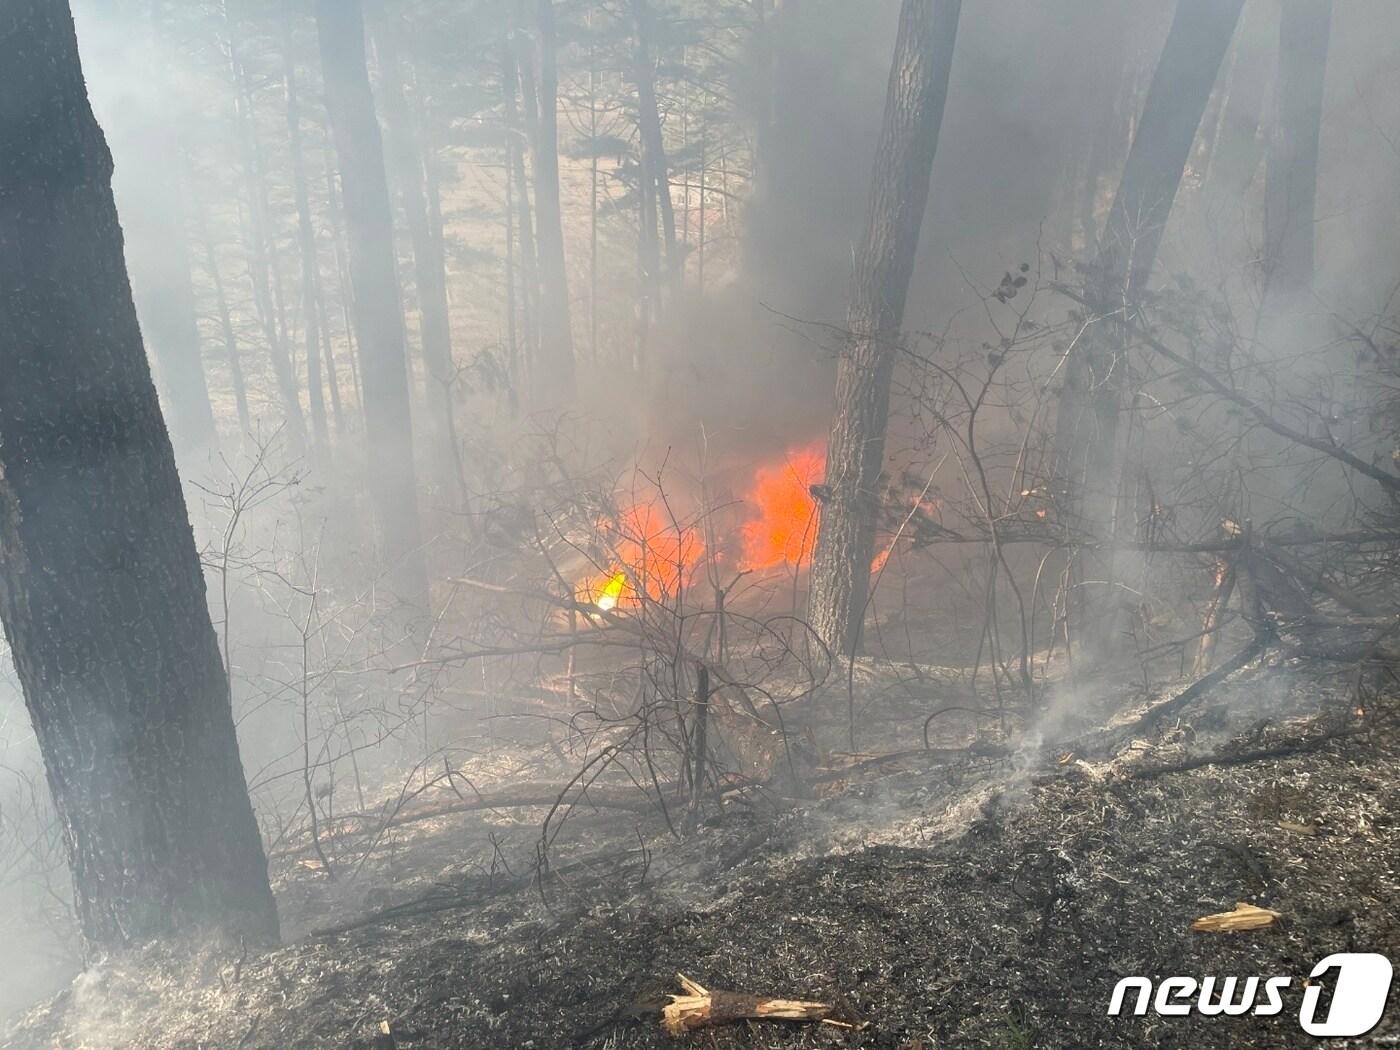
column 647, row 552
column 650, row 550
column 648, row 497
column 786, row 524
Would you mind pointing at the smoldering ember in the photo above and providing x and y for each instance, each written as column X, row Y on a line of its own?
column 718, row 523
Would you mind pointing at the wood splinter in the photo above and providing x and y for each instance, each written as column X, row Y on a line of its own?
column 702, row 1008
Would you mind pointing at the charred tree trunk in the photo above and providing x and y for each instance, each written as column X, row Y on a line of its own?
column 306, row 238
column 378, row 314
column 918, row 89
column 554, row 378
column 105, row 613
column 1290, row 196
column 1091, row 457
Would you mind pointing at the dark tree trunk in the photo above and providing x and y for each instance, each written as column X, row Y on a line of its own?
column 429, row 266
column 1176, row 100
column 1290, row 196
column 105, row 613
column 918, row 90
column 306, row 240
column 378, row 312
column 1090, row 452
column 554, row 378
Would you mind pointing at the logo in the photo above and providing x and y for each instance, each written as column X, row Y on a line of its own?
column 1360, row 982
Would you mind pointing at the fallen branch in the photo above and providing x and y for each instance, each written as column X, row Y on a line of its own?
column 702, row 1008
column 1198, row 688
column 1107, row 741
column 1283, row 749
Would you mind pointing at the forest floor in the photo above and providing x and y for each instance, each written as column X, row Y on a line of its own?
column 992, row 901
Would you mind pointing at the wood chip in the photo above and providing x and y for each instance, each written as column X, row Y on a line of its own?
column 702, row 1008
column 1298, row 829
column 1244, row 917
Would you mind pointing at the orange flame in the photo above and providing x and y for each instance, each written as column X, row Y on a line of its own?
column 786, row 525
column 652, row 556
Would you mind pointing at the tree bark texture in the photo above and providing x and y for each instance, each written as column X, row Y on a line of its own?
column 101, row 593
column 918, row 90
column 378, row 312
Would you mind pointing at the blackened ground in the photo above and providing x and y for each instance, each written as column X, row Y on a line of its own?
column 976, row 905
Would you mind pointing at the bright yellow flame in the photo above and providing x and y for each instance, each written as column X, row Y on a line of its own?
column 612, row 590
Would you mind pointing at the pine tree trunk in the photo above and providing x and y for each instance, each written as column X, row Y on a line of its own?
column 1091, row 455
column 378, row 314
column 918, row 89
column 1290, row 196
column 105, row 612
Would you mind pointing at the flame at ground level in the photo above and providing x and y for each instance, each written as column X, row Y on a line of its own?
column 648, row 554
column 786, row 524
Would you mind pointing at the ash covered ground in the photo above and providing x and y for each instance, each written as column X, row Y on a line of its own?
column 975, row 899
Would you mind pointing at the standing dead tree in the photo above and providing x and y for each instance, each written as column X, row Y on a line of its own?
column 105, row 614
column 918, row 89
